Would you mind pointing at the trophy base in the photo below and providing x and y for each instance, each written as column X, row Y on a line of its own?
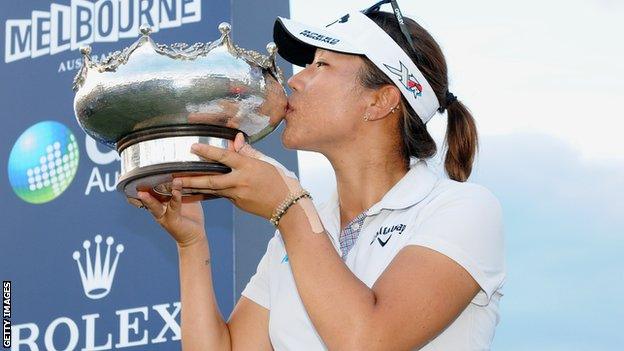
column 150, row 159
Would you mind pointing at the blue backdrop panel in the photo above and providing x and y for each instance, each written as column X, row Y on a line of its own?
column 88, row 270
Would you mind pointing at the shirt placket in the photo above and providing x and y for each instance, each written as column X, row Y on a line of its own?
column 349, row 235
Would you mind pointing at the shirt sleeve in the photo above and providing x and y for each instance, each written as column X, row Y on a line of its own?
column 257, row 289
column 466, row 225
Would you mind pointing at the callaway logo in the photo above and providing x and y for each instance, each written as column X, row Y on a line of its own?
column 407, row 79
column 319, row 37
column 386, row 232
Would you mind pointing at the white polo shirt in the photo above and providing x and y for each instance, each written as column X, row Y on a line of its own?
column 460, row 220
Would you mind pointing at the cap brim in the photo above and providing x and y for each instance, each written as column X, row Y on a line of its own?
column 297, row 42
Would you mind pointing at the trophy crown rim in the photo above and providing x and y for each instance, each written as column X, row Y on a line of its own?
column 176, row 51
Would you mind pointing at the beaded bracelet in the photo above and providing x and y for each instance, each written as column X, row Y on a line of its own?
column 285, row 205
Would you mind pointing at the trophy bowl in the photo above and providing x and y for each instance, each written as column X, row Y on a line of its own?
column 152, row 101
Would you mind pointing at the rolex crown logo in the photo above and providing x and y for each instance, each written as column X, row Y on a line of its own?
column 97, row 277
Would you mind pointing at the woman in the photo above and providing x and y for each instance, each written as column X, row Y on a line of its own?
column 398, row 258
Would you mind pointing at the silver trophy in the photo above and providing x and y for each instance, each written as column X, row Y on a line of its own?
column 151, row 102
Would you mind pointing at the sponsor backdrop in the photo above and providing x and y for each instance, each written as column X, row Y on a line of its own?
column 89, row 271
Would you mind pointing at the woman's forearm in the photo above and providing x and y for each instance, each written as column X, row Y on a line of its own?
column 338, row 303
column 202, row 325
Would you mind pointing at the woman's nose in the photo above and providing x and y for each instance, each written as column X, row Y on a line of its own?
column 294, row 82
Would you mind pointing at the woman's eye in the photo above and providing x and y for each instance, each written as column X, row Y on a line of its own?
column 320, row 63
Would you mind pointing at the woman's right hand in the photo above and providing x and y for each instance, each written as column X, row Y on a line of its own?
column 184, row 221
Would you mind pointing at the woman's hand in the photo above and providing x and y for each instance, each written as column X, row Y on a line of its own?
column 257, row 184
column 184, row 221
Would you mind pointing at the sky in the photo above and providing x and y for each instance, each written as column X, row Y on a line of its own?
column 543, row 80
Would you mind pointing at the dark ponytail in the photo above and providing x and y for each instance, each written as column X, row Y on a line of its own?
column 461, row 140
column 461, row 132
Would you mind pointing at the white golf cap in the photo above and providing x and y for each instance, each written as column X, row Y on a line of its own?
column 355, row 33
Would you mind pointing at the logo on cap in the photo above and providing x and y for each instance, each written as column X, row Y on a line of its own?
column 407, row 79
column 342, row 19
column 319, row 37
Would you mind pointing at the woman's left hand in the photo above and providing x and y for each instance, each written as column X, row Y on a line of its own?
column 257, row 183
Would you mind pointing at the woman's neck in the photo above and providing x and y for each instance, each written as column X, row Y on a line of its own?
column 362, row 179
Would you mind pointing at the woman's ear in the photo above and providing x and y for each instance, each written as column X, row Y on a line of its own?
column 385, row 101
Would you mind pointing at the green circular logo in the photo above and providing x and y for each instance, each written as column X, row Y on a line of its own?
column 43, row 162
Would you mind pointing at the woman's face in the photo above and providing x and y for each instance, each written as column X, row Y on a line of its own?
column 327, row 103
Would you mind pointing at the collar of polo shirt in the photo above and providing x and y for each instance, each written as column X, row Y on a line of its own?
column 415, row 185
column 355, row 33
